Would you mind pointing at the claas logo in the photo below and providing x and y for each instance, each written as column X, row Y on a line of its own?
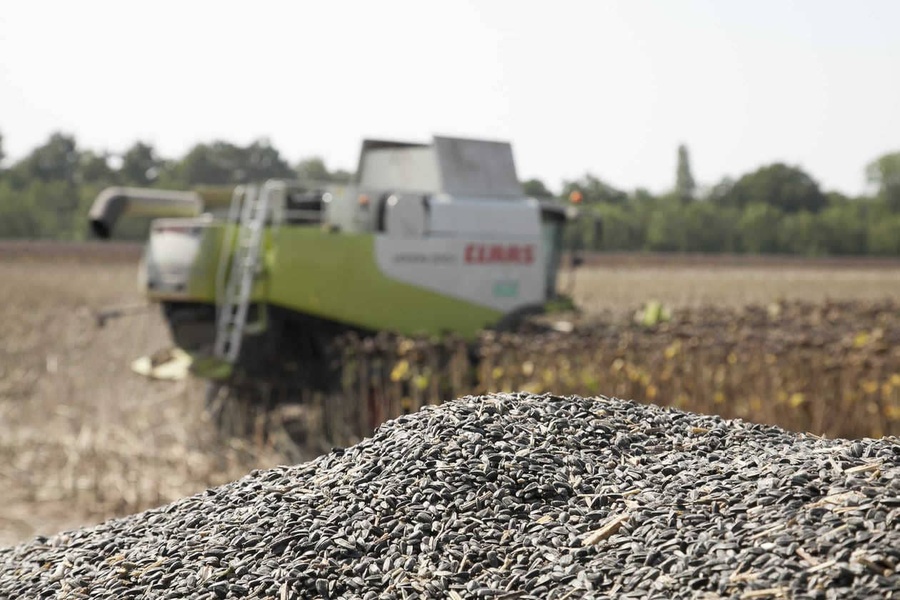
column 516, row 254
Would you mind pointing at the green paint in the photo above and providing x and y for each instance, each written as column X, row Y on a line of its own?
column 201, row 285
column 209, row 367
column 506, row 289
column 336, row 276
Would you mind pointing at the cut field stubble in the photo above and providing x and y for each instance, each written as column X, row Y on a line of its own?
column 830, row 368
column 622, row 287
column 83, row 439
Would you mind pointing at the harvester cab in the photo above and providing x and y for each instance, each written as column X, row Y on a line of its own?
column 427, row 239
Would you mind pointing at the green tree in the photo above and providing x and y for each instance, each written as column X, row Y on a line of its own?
column 594, row 191
column 44, row 185
column 622, row 228
column 535, row 188
column 140, row 165
column 216, row 163
column 758, row 228
column 312, row 169
column 885, row 173
column 94, row 168
column 170, row 175
column 884, row 236
column 684, row 180
column 720, row 193
column 263, row 161
column 55, row 160
column 667, row 227
column 798, row 233
column 43, row 209
column 842, row 228
column 17, row 218
column 2, row 155
column 780, row 186
column 710, row 228
column 224, row 163
column 341, row 176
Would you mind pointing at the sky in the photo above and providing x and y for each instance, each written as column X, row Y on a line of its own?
column 605, row 86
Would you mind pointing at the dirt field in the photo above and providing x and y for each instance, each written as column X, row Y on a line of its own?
column 621, row 281
column 84, row 439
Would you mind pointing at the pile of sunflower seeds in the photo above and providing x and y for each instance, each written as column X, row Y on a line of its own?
column 512, row 496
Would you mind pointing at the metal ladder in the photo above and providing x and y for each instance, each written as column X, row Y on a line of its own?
column 248, row 211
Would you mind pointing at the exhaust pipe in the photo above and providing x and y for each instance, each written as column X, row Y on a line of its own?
column 114, row 202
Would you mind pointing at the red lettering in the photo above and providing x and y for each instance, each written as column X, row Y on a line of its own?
column 499, row 253
column 528, row 255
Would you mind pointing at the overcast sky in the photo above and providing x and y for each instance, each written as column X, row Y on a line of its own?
column 610, row 87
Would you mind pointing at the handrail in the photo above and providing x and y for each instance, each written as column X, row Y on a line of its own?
column 237, row 196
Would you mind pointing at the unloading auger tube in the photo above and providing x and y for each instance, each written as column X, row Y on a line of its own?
column 116, row 202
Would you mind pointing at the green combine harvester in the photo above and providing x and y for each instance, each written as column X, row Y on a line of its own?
column 428, row 239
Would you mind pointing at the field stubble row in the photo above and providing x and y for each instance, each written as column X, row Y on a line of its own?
column 83, row 437
column 830, row 368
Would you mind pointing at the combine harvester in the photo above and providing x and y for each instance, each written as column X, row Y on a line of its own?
column 257, row 285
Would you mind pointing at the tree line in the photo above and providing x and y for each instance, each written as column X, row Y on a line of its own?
column 48, row 193
column 777, row 208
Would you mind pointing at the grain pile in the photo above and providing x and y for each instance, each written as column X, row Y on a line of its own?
column 512, row 496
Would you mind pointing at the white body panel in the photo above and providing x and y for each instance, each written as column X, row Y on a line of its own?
column 458, row 166
column 171, row 253
column 476, row 167
column 407, row 170
column 484, row 217
column 406, row 216
column 342, row 208
column 503, row 275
